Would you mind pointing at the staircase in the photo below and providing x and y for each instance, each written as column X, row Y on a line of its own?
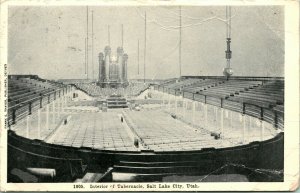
column 116, row 102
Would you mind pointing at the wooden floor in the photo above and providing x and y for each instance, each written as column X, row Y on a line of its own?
column 161, row 132
column 89, row 127
column 103, row 130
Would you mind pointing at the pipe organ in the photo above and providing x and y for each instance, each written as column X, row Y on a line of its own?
column 113, row 68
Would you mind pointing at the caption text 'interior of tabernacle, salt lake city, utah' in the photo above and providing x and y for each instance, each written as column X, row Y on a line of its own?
column 145, row 94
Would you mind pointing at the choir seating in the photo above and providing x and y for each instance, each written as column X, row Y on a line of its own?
column 133, row 89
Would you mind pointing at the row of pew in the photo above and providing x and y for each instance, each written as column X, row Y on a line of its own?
column 271, row 92
column 254, row 94
column 25, row 94
column 24, row 89
column 163, row 133
column 133, row 89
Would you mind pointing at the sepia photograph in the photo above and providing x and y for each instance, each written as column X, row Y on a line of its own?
column 146, row 96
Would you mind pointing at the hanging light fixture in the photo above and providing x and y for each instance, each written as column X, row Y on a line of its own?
column 228, row 53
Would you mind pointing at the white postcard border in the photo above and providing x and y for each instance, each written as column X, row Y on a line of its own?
column 291, row 142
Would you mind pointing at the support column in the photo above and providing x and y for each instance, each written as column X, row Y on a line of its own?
column 205, row 116
column 53, row 112
column 66, row 102
column 27, row 125
column 222, row 123
column 176, row 105
column 187, row 103
column 262, row 130
column 63, row 104
column 47, row 116
column 163, row 100
column 231, row 120
column 166, row 100
column 39, row 123
column 193, row 112
column 216, row 114
column 173, row 106
column 244, row 127
column 58, row 107
column 250, row 127
column 169, row 104
column 183, row 107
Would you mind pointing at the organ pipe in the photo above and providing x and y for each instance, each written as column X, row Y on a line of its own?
column 107, row 52
column 120, row 63
column 101, row 67
column 125, row 58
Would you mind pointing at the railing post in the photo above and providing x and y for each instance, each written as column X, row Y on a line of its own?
column 262, row 124
column 41, row 102
column 276, row 120
column 29, row 108
column 14, row 116
column 222, row 101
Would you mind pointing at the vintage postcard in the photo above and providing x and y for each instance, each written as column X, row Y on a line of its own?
column 149, row 95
